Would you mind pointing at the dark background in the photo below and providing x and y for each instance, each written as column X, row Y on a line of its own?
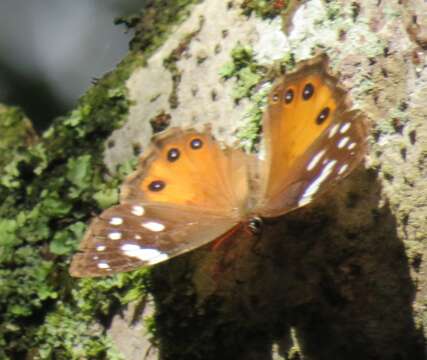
column 51, row 50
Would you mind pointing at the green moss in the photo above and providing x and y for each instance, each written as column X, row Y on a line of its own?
column 244, row 69
column 16, row 131
column 265, row 8
column 48, row 192
column 155, row 20
column 248, row 76
column 249, row 135
column 67, row 335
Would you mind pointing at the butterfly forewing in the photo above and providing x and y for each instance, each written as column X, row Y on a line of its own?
column 312, row 139
column 132, row 235
column 186, row 192
column 186, row 168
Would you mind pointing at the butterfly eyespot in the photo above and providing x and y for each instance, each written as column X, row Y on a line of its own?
column 322, row 116
column 289, row 96
column 156, row 185
column 173, row 154
column 196, row 144
column 308, row 91
column 275, row 97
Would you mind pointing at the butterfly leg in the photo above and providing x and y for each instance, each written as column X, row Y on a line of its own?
column 222, row 240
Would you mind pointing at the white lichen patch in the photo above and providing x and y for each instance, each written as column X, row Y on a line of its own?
column 273, row 44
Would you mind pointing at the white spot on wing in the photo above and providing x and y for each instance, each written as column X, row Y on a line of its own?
column 115, row 220
column 101, row 248
column 343, row 142
column 342, row 169
column 153, row 226
column 137, row 237
column 115, row 235
column 333, row 130
column 345, row 127
column 152, row 256
column 311, row 190
column 315, row 159
column 351, row 146
column 103, row 265
column 138, row 210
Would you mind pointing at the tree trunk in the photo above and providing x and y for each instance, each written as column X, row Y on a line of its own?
column 341, row 279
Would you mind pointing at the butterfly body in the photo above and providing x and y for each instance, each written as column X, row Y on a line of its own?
column 188, row 190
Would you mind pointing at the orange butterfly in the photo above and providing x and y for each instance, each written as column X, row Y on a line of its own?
column 188, row 191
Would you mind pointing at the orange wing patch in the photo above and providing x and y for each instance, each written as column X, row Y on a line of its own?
column 187, row 168
column 300, row 108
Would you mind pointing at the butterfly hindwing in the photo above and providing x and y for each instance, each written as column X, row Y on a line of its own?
column 132, row 235
column 329, row 159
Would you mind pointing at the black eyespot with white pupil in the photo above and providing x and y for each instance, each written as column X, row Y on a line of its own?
column 324, row 114
column 196, row 144
column 156, row 185
column 308, row 91
column 289, row 96
column 173, row 154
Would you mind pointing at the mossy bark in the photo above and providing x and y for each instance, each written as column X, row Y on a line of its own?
column 341, row 279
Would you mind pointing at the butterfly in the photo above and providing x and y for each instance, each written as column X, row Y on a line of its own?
column 188, row 190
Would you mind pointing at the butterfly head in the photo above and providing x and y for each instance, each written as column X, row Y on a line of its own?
column 255, row 225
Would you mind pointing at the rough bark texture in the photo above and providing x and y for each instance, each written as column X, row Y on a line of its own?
column 344, row 277
column 341, row 279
